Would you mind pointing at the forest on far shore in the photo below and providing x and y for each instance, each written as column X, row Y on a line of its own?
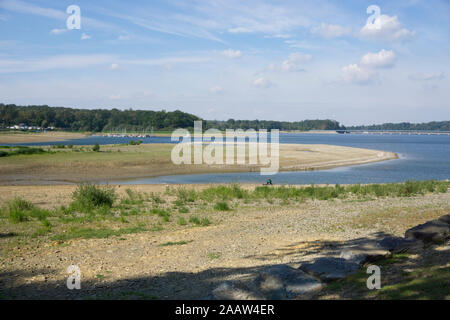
column 115, row 120
column 104, row 120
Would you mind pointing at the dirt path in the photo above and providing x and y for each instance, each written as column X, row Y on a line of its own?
column 236, row 244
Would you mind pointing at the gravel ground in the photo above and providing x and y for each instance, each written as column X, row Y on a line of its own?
column 235, row 245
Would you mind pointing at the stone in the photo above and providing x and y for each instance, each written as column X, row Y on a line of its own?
column 363, row 253
column 397, row 244
column 283, row 282
column 445, row 219
column 431, row 231
column 233, row 291
column 330, row 268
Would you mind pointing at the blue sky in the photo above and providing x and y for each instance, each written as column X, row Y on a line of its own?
column 219, row 59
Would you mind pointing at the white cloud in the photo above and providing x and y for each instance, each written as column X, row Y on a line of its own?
column 58, row 31
column 55, row 62
column 295, row 62
column 427, row 76
column 354, row 74
column 278, row 36
column 216, row 89
column 85, row 36
column 262, row 83
column 232, row 54
column 331, row 30
column 386, row 28
column 114, row 66
column 382, row 59
column 123, row 37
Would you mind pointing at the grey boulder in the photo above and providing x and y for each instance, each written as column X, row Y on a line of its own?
column 365, row 252
column 330, row 269
column 233, row 291
column 445, row 219
column 397, row 244
column 431, row 231
column 283, row 282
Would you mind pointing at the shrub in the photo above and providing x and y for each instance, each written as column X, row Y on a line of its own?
column 96, row 148
column 89, row 196
column 19, row 210
column 3, row 153
column 27, row 151
column 221, row 206
column 135, row 143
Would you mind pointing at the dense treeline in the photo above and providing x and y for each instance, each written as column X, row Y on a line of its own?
column 94, row 120
column 136, row 120
column 431, row 126
column 281, row 125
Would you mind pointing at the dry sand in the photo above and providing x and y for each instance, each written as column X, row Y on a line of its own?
column 152, row 160
column 8, row 138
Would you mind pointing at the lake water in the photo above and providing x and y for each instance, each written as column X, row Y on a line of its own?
column 422, row 157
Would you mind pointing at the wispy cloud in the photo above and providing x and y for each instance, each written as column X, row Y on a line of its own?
column 427, row 76
column 331, row 30
column 232, row 54
column 28, row 8
column 87, row 61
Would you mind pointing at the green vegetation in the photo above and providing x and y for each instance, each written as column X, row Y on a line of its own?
column 221, row 206
column 20, row 210
column 135, row 143
column 20, row 150
column 89, row 196
column 101, row 120
column 214, row 255
column 424, row 282
column 89, row 233
column 235, row 192
column 100, row 212
column 429, row 126
column 96, row 148
column 178, row 243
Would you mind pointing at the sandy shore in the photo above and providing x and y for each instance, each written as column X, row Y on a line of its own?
column 152, row 160
column 9, row 138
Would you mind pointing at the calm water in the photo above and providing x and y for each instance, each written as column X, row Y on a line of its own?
column 421, row 158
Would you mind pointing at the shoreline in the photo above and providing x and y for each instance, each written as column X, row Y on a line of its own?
column 54, row 136
column 127, row 163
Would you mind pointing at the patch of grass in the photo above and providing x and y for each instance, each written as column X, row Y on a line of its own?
column 221, row 206
column 426, row 283
column 20, row 210
column 89, row 196
column 214, row 255
column 89, row 233
column 178, row 243
column 26, row 151
column 186, row 196
column 183, row 209
column 181, row 221
column 165, row 215
column 199, row 222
